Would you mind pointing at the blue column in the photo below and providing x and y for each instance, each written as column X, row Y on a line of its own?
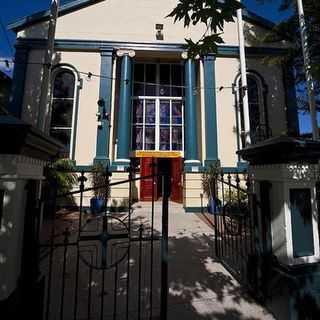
column 104, row 107
column 191, row 141
column 18, row 81
column 124, row 112
column 210, row 109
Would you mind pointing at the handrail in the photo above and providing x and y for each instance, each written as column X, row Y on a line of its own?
column 82, row 190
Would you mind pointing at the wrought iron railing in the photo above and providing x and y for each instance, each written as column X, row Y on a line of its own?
column 233, row 224
column 103, row 265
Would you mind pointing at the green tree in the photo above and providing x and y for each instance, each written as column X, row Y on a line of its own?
column 213, row 14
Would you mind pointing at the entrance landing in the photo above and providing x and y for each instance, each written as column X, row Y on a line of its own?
column 200, row 288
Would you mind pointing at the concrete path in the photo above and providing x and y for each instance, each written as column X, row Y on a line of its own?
column 200, row 288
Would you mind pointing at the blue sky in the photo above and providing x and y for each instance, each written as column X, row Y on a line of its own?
column 11, row 10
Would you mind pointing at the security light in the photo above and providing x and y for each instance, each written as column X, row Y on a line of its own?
column 159, row 34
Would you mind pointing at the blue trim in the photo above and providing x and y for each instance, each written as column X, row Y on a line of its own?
column 242, row 167
column 44, row 15
column 190, row 113
column 18, row 82
column 123, row 128
column 97, row 45
column 103, row 130
column 194, row 209
column 210, row 109
column 188, row 168
column 84, row 168
column 116, row 164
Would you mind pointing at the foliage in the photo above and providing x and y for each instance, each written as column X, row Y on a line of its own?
column 60, row 173
column 209, row 179
column 98, row 180
column 213, row 14
column 290, row 30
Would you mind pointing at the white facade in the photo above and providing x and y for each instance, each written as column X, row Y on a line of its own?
column 83, row 35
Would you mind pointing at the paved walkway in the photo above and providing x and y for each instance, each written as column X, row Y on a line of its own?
column 200, row 288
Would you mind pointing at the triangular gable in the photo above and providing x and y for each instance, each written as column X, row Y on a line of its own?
column 79, row 4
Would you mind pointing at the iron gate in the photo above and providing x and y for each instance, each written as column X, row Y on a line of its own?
column 234, row 221
column 111, row 265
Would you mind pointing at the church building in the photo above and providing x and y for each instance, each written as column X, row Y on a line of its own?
column 124, row 91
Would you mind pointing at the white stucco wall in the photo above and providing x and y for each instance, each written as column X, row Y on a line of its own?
column 129, row 20
column 226, row 70
column 86, row 133
column 87, row 103
column 15, row 171
column 132, row 21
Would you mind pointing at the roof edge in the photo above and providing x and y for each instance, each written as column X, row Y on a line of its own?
column 75, row 5
column 41, row 16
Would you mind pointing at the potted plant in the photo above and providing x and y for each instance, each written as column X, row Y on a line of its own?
column 209, row 185
column 60, row 179
column 98, row 181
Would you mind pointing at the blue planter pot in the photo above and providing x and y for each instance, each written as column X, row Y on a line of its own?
column 214, row 206
column 96, row 205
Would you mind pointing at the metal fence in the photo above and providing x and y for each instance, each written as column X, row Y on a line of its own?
column 234, row 213
column 106, row 265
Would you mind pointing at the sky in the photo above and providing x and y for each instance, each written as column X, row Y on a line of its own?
column 11, row 10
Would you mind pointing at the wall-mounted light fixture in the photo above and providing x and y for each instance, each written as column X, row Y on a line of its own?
column 159, row 34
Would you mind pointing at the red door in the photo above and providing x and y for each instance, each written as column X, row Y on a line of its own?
column 146, row 184
column 176, row 180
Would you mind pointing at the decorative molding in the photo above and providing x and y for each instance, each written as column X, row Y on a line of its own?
column 100, row 45
column 293, row 172
column 123, row 52
column 15, row 167
column 185, row 56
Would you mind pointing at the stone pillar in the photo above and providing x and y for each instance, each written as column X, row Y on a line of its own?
column 124, row 113
column 285, row 176
column 104, row 107
column 191, row 140
column 210, row 109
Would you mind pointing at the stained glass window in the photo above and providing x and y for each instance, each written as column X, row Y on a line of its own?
column 157, row 114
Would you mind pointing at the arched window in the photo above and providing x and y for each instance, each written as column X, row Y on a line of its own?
column 259, row 129
column 63, row 105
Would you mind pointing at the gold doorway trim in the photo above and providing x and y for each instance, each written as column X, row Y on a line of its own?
column 157, row 154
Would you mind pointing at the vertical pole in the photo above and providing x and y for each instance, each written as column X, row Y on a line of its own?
column 46, row 77
column 164, row 246
column 216, row 234
column 307, row 67
column 244, row 85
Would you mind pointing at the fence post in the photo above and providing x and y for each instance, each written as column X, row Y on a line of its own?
column 164, row 246
column 216, row 235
